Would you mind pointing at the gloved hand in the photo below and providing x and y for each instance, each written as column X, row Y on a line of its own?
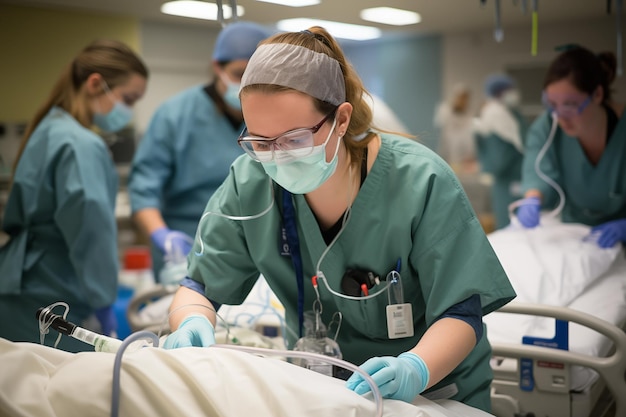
column 195, row 330
column 171, row 241
column 107, row 319
column 401, row 378
column 528, row 212
column 610, row 233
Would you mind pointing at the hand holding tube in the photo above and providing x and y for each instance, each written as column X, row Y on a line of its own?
column 194, row 330
column 528, row 212
column 610, row 233
column 401, row 378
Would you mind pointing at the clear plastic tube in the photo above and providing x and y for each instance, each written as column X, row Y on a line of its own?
column 378, row 399
column 548, row 180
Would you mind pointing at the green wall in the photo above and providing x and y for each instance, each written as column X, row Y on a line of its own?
column 35, row 46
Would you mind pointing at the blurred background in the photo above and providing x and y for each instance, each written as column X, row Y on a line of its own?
column 413, row 66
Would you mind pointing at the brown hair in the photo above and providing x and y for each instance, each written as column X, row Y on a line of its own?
column 585, row 69
column 115, row 61
column 319, row 40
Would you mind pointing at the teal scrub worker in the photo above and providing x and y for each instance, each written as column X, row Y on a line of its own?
column 500, row 133
column 357, row 200
column 588, row 151
column 60, row 215
column 188, row 147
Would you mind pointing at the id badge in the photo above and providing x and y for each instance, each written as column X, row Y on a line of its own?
column 399, row 321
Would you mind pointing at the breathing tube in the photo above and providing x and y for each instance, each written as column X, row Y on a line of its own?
column 547, row 179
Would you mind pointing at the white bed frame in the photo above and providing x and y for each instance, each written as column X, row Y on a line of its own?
column 551, row 396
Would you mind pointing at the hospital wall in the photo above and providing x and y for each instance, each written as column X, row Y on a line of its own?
column 468, row 57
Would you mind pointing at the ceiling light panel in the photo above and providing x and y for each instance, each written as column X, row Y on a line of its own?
column 293, row 3
column 198, row 9
column 390, row 16
column 336, row 29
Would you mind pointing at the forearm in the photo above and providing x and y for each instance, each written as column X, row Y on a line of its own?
column 149, row 220
column 187, row 301
column 444, row 346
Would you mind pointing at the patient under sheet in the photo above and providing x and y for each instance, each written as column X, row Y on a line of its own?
column 42, row 381
column 551, row 264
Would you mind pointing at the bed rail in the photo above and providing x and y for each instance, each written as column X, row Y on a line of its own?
column 611, row 368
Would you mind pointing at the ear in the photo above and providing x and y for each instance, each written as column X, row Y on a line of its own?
column 93, row 84
column 344, row 113
column 598, row 95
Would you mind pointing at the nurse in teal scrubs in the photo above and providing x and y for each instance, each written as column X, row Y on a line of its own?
column 587, row 157
column 319, row 194
column 60, row 215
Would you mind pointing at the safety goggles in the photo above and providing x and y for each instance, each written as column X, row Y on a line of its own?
column 297, row 143
column 570, row 107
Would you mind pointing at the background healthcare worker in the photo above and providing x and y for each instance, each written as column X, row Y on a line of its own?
column 499, row 132
column 60, row 214
column 349, row 198
column 587, row 158
column 189, row 145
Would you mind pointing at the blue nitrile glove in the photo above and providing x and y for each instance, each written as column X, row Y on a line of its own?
column 107, row 319
column 610, row 233
column 195, row 330
column 171, row 241
column 528, row 212
column 402, row 378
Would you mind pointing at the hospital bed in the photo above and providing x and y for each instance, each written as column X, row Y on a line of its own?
column 216, row 381
column 558, row 275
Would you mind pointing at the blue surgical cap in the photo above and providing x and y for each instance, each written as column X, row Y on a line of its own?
column 238, row 40
column 497, row 83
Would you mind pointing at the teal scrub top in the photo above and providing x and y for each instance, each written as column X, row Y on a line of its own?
column 503, row 161
column 182, row 158
column 411, row 207
column 594, row 194
column 60, row 217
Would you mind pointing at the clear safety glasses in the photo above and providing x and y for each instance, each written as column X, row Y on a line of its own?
column 570, row 107
column 297, row 143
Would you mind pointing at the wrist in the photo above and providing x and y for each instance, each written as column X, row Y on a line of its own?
column 194, row 316
column 420, row 367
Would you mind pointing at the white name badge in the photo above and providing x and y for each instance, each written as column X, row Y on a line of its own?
column 399, row 321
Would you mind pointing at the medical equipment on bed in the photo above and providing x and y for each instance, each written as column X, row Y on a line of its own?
column 101, row 343
column 316, row 340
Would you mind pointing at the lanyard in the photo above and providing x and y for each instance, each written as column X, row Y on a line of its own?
column 290, row 233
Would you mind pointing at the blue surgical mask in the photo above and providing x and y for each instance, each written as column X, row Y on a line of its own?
column 231, row 96
column 115, row 120
column 303, row 175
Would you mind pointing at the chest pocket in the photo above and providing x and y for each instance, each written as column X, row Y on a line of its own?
column 366, row 316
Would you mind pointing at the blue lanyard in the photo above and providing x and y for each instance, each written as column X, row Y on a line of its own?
column 290, row 233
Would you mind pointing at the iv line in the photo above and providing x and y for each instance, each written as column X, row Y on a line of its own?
column 227, row 216
column 543, row 176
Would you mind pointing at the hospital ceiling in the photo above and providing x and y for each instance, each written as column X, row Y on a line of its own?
column 438, row 16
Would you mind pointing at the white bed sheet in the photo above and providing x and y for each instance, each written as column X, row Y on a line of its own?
column 42, row 381
column 603, row 296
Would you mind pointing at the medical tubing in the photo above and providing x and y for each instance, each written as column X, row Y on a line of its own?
column 543, row 176
column 117, row 366
column 320, row 274
column 227, row 216
column 378, row 399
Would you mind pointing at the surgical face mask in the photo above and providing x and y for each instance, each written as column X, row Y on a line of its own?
column 511, row 98
column 231, row 96
column 305, row 174
column 115, row 120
